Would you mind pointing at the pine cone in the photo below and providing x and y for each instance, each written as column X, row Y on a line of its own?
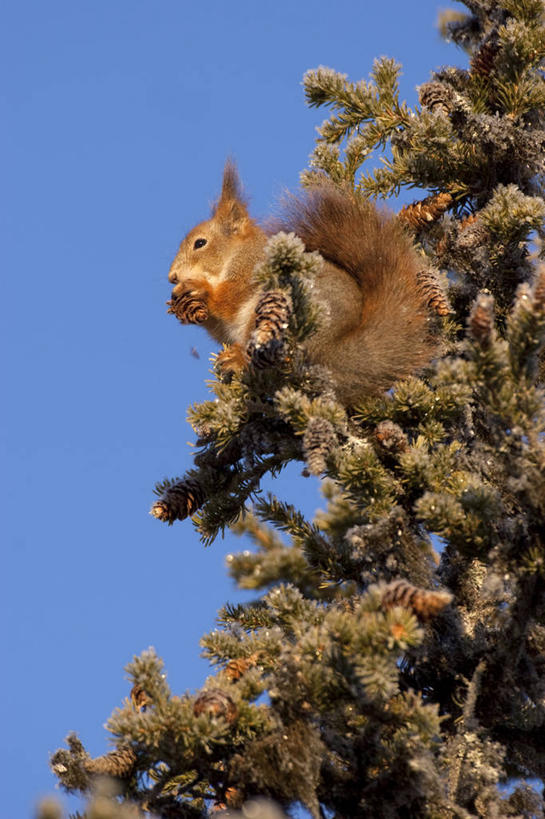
column 266, row 347
column 179, row 501
column 424, row 603
column 119, row 763
column 318, row 441
column 239, row 666
column 433, row 293
column 436, row 96
column 391, row 437
column 481, row 320
column 188, row 308
column 418, row 214
column 472, row 235
column 482, row 61
column 469, row 246
column 216, row 703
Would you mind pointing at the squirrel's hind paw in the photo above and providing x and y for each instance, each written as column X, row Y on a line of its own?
column 231, row 360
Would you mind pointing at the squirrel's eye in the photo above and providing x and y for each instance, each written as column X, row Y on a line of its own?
column 199, row 243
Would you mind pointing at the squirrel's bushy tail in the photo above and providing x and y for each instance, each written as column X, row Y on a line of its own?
column 394, row 338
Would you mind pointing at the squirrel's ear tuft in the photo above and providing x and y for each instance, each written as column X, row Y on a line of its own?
column 231, row 187
column 231, row 209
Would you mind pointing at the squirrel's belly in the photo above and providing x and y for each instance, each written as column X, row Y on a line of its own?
column 241, row 325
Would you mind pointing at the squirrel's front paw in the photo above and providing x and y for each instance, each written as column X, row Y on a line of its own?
column 231, row 360
column 189, row 308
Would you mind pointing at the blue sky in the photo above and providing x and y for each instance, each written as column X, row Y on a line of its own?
column 117, row 118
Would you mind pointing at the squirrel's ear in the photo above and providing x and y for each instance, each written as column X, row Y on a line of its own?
column 231, row 210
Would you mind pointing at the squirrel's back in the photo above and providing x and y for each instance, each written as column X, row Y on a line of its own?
column 391, row 338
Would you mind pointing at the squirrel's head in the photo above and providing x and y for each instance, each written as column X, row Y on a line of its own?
column 207, row 249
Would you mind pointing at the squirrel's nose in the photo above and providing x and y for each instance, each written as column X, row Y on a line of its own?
column 172, row 277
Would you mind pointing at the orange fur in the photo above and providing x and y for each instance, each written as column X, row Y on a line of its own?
column 374, row 325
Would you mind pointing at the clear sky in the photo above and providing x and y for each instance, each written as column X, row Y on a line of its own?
column 117, row 118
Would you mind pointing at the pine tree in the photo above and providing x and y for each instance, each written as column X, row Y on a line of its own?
column 394, row 662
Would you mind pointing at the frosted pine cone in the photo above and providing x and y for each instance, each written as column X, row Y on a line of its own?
column 436, row 96
column 179, row 501
column 118, row 763
column 472, row 234
column 267, row 342
column 481, row 320
column 391, row 437
column 188, row 308
column 216, row 703
column 318, row 441
column 424, row 603
column 482, row 61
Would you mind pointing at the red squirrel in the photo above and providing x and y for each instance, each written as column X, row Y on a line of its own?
column 374, row 324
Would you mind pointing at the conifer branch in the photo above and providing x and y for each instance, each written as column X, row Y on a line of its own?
column 76, row 769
